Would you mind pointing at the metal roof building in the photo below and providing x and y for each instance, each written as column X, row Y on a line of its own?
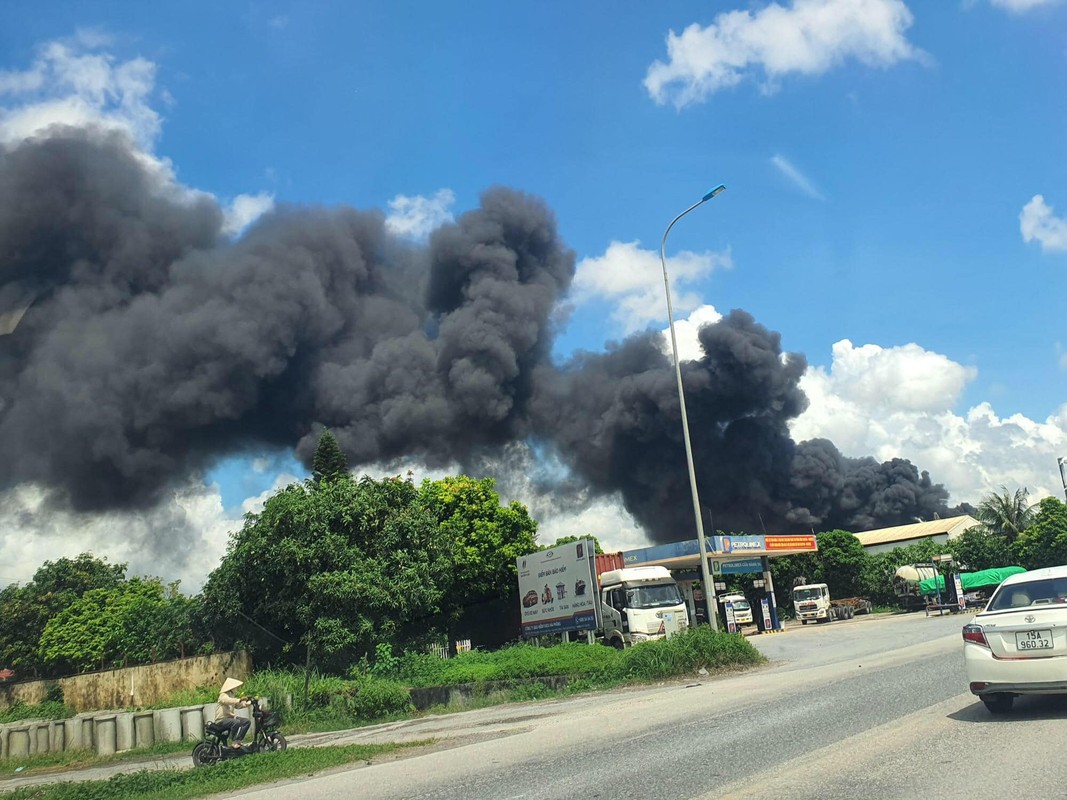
column 939, row 530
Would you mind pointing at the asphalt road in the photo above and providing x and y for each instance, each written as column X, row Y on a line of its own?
column 871, row 708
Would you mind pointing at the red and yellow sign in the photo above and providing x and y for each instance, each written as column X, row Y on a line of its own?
column 790, row 543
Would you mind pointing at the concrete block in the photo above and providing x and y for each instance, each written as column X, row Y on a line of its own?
column 18, row 742
column 57, row 736
column 168, row 725
column 193, row 723
column 104, row 734
column 124, row 732
column 144, row 728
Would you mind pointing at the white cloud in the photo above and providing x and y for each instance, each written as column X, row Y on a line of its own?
column 807, row 37
column 183, row 538
column 244, row 210
column 1036, row 221
column 686, row 331
column 796, row 177
column 605, row 518
column 632, row 279
column 415, row 217
column 1019, row 6
column 69, row 83
column 901, row 401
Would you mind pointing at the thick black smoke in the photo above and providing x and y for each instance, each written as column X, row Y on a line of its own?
column 154, row 346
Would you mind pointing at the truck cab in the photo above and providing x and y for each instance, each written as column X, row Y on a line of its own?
column 639, row 604
column 811, row 601
column 741, row 607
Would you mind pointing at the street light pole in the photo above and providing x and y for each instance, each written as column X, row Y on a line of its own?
column 705, row 576
column 1063, row 474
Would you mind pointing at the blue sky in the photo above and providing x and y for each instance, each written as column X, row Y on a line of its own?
column 884, row 163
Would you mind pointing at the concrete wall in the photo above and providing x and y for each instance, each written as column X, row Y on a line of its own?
column 133, row 686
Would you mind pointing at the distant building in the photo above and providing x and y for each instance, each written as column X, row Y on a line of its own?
column 937, row 530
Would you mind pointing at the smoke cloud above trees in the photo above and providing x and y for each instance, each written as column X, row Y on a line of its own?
column 145, row 345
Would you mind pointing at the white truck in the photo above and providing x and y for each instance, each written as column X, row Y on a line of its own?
column 742, row 609
column 638, row 604
column 811, row 601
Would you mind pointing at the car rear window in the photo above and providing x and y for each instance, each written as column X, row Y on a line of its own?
column 1021, row 595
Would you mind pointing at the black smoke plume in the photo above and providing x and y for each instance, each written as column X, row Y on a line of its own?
column 153, row 346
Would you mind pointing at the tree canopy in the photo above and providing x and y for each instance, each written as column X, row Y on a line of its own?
column 1006, row 514
column 342, row 565
column 330, row 461
column 26, row 610
column 1044, row 543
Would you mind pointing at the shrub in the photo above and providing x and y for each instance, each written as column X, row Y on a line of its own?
column 684, row 654
column 49, row 709
column 377, row 698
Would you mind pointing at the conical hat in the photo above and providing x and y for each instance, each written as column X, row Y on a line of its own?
column 231, row 683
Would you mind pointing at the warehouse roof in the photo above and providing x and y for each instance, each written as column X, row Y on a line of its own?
column 950, row 527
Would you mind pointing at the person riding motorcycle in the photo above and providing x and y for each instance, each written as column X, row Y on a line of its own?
column 225, row 715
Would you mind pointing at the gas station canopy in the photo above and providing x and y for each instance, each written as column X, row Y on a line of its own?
column 723, row 549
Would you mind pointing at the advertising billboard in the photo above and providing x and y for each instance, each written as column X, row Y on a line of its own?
column 557, row 589
column 802, row 542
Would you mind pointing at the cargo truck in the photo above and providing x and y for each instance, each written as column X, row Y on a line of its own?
column 811, row 602
column 638, row 604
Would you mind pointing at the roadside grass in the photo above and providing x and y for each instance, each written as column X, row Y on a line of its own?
column 335, row 703
column 49, row 709
column 592, row 666
column 588, row 668
column 227, row 776
column 80, row 759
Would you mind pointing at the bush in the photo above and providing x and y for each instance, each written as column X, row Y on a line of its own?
column 377, row 698
column 511, row 663
column 685, row 654
column 49, row 709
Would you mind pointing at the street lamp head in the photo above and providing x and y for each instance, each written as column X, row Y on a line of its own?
column 717, row 190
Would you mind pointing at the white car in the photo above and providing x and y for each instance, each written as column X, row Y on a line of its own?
column 1018, row 644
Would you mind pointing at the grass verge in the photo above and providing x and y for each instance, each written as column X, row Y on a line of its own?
column 228, row 776
column 80, row 759
column 677, row 656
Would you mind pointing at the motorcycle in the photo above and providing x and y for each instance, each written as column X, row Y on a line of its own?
column 215, row 747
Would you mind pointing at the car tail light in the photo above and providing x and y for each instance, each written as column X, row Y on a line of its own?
column 975, row 635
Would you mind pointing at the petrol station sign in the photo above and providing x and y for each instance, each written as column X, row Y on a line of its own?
column 738, row 566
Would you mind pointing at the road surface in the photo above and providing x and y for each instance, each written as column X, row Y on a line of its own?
column 871, row 708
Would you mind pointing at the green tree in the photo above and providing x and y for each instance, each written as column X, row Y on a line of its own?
column 1044, row 543
column 336, row 568
column 1006, row 514
column 329, row 462
column 123, row 625
column 26, row 610
column 486, row 538
column 978, row 549
column 570, row 539
column 842, row 561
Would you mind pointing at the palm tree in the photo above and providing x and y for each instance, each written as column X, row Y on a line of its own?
column 1006, row 514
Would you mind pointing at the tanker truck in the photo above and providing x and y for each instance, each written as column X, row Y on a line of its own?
column 906, row 581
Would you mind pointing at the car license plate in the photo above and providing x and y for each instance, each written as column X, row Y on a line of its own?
column 1033, row 640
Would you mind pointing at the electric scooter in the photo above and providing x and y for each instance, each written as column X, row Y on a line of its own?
column 215, row 746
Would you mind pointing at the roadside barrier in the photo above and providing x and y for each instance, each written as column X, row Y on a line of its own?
column 106, row 732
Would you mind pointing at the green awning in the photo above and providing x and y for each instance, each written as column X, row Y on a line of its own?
column 971, row 580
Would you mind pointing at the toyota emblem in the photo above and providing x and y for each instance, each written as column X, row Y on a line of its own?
column 1029, row 618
